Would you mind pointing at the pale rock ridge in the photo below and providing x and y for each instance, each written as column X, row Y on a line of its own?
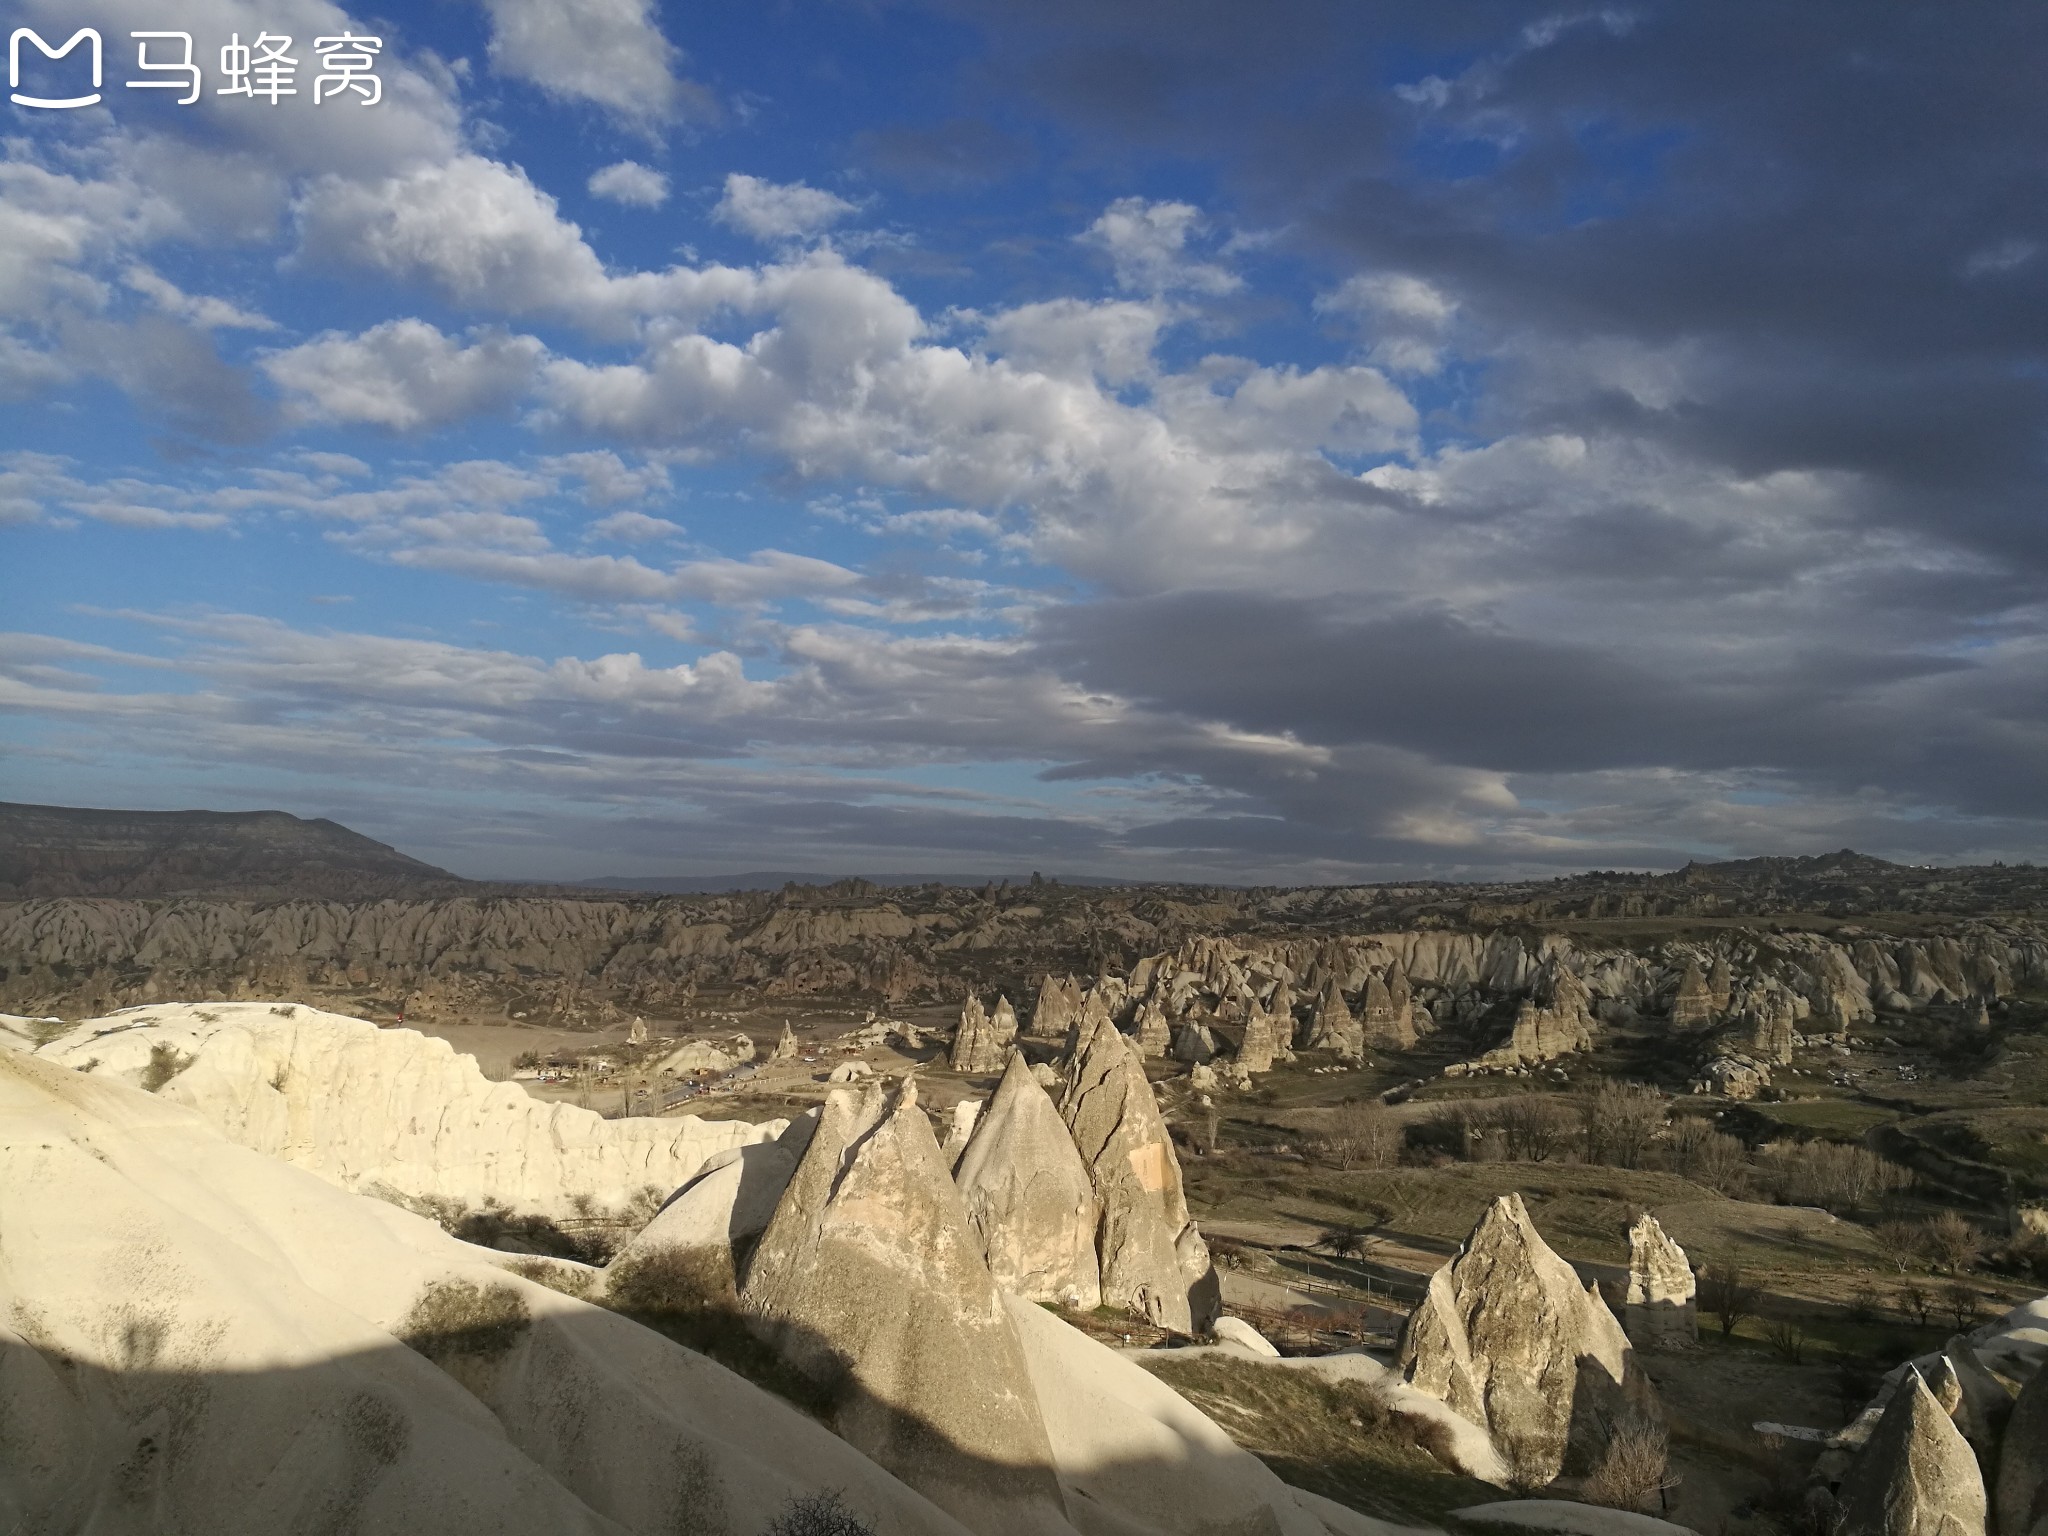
column 714, row 1220
column 227, row 1327
column 975, row 1046
column 394, row 1112
column 1138, row 1459
column 1508, row 1339
column 1153, row 1260
column 1662, row 1311
column 1194, row 1044
column 1029, row 1198
column 869, row 1280
column 1916, row 1476
column 786, row 1048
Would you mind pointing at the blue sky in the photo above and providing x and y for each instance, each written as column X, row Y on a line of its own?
column 1307, row 442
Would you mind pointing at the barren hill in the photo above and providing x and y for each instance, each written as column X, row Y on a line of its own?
column 51, row 850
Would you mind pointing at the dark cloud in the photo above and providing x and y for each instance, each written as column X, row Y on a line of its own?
column 943, row 157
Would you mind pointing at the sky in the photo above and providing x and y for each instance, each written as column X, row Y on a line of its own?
column 1304, row 442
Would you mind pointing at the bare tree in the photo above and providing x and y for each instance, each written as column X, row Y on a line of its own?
column 1726, row 1292
column 1953, row 1242
column 1918, row 1300
column 1709, row 1157
column 1621, row 1121
column 1363, row 1134
column 1961, row 1302
column 1536, row 1128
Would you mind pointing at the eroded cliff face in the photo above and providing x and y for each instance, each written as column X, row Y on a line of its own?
column 1145, row 957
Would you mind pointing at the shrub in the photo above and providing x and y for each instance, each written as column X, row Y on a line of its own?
column 455, row 1319
column 166, row 1061
column 1634, row 1469
column 1786, row 1338
column 1726, row 1293
column 818, row 1514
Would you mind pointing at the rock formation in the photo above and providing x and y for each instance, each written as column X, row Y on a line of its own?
column 1661, row 1311
column 393, row 1112
column 1193, row 1043
column 1720, row 984
column 960, row 1130
column 1003, row 1021
column 1153, row 1260
column 1384, row 1024
column 1509, row 1339
column 1692, row 1006
column 869, row 1280
column 199, row 1337
column 1058, row 1007
column 1733, row 1077
column 1255, row 1053
column 1029, row 1199
column 975, row 1047
column 1154, row 1035
column 786, row 1048
column 1772, row 1026
column 1916, row 1475
column 2022, row 1489
column 1546, row 1031
column 1333, row 1028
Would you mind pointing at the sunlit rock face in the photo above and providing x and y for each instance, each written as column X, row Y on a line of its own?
column 1153, row 1258
column 392, row 1111
column 1029, row 1197
column 870, row 1281
column 1509, row 1339
column 1661, row 1311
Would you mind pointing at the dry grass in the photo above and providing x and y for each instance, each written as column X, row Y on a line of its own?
column 1334, row 1438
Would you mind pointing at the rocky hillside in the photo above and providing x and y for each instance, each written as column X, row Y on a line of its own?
column 52, row 850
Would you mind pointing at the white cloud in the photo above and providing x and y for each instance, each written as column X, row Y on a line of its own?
column 1070, row 338
column 634, row 528
column 1147, row 244
column 1405, row 318
column 631, row 183
column 481, row 234
column 404, row 374
column 773, row 211
column 610, row 53
column 197, row 309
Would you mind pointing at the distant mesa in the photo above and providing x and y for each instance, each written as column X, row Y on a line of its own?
column 52, row 850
